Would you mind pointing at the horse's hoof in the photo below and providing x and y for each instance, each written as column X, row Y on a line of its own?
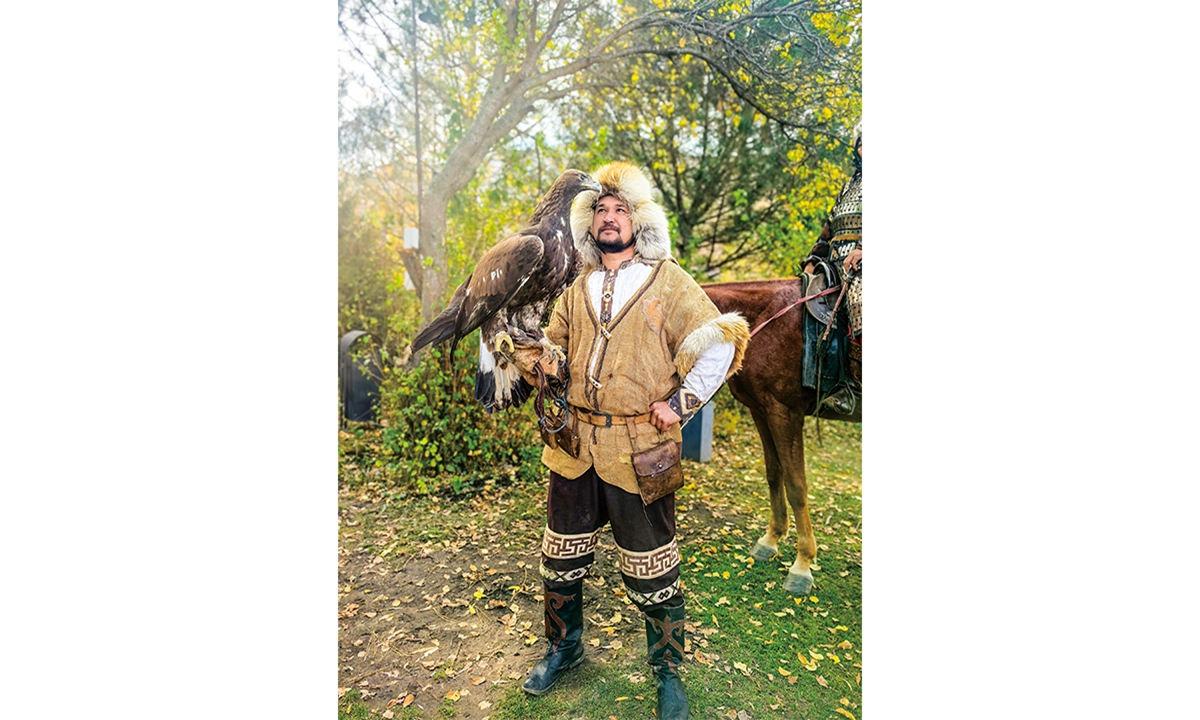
column 798, row 584
column 762, row 552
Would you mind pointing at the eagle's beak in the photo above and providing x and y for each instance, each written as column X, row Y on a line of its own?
column 590, row 183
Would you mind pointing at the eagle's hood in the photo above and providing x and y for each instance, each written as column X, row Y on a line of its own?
column 650, row 229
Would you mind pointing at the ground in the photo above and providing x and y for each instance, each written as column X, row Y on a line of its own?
column 440, row 615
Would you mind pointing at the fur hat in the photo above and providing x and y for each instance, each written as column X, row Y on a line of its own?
column 651, row 231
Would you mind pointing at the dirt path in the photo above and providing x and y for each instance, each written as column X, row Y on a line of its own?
column 439, row 598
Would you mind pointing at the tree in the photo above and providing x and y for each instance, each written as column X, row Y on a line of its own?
column 478, row 70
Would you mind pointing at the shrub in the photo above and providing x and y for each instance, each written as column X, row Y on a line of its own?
column 437, row 436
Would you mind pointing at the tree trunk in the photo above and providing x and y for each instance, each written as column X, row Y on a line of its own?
column 433, row 246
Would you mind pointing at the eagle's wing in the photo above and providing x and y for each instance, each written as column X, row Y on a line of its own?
column 499, row 274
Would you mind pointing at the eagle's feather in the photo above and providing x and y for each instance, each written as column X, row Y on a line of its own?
column 509, row 291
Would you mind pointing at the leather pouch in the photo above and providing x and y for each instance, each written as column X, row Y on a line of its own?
column 566, row 439
column 658, row 471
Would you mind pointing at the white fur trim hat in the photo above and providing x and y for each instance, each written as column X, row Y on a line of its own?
column 651, row 231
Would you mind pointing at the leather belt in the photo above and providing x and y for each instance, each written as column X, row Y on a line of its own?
column 606, row 420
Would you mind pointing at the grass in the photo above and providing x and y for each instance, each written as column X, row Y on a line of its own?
column 754, row 647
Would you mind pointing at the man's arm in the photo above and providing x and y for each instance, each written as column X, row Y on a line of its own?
column 698, row 387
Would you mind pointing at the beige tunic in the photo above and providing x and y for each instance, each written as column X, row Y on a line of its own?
column 635, row 361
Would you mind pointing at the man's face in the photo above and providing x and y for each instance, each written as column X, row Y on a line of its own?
column 611, row 225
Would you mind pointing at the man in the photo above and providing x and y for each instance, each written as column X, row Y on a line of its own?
column 646, row 349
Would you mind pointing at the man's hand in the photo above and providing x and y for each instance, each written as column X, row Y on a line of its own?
column 853, row 259
column 662, row 416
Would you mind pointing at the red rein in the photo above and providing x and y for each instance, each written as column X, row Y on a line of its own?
column 764, row 323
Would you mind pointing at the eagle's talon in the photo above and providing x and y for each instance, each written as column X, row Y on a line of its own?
column 501, row 340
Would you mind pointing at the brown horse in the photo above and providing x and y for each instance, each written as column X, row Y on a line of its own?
column 769, row 385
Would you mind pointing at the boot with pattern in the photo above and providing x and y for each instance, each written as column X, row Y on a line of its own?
column 564, row 627
column 664, row 641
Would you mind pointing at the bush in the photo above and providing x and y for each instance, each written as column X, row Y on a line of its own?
column 437, row 436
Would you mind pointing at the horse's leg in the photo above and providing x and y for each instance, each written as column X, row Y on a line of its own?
column 787, row 428
column 767, row 546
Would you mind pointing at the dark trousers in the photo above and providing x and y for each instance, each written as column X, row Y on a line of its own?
column 645, row 536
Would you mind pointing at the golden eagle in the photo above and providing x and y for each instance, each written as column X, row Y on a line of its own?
column 508, row 293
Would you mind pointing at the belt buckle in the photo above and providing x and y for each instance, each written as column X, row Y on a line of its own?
column 607, row 419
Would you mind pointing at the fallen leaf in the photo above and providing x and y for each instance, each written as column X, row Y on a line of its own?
column 408, row 700
column 822, row 682
column 479, row 681
column 844, row 712
column 783, row 672
column 453, row 696
column 387, row 714
column 484, row 705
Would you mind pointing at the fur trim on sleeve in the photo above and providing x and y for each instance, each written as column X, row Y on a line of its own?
column 730, row 327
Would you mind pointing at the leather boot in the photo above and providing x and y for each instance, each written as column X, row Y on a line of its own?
column 564, row 627
column 664, row 640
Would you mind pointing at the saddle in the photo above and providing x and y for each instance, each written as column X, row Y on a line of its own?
column 821, row 308
column 825, row 363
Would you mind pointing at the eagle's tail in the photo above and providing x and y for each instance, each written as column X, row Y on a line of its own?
column 499, row 388
column 441, row 329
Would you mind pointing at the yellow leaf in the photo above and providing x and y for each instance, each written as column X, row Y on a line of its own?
column 844, row 712
column 622, row 698
column 452, row 696
column 783, row 672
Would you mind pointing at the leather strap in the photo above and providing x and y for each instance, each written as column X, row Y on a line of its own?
column 606, row 420
column 764, row 323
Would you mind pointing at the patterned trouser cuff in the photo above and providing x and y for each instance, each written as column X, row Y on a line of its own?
column 562, row 576
column 654, row 598
column 650, row 564
column 567, row 547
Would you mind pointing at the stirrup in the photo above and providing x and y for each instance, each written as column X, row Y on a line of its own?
column 842, row 401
